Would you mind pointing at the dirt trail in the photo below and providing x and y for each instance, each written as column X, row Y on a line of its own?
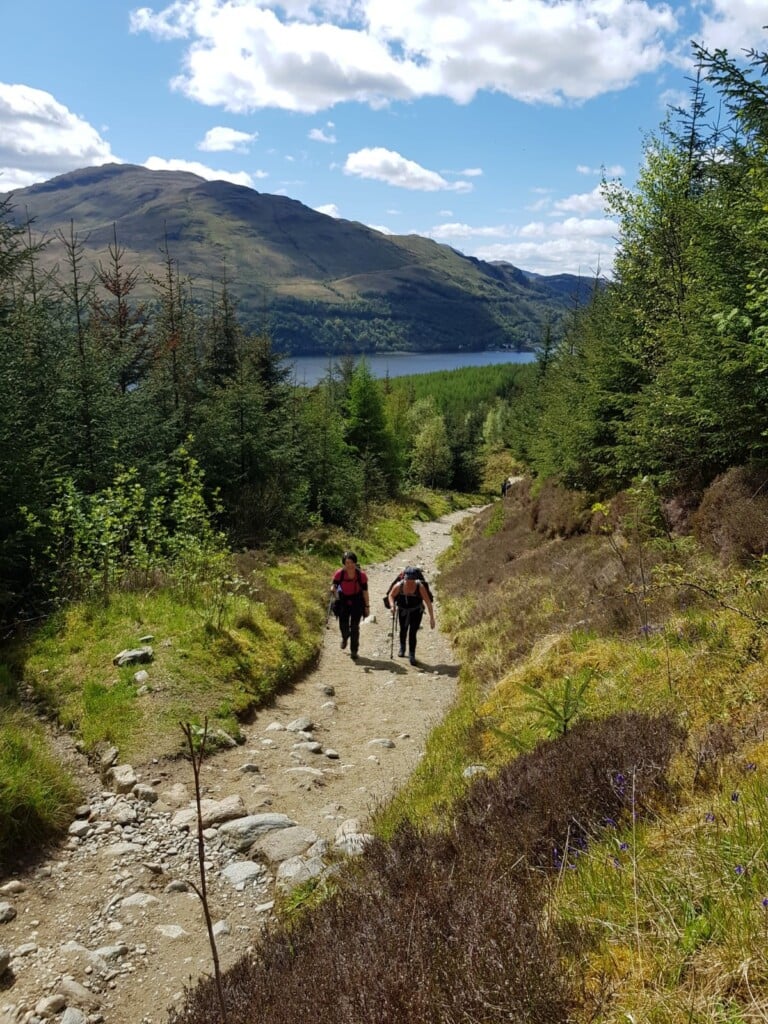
column 99, row 922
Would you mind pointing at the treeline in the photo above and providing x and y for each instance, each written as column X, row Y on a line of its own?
column 127, row 425
column 663, row 373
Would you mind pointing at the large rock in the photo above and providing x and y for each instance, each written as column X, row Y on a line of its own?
column 134, row 656
column 298, row 870
column 241, row 872
column 244, row 832
column 212, row 812
column 8, row 912
column 121, row 777
column 284, row 843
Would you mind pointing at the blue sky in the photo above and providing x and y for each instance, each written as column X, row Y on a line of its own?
column 484, row 124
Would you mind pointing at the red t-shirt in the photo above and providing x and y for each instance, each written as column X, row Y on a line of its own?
column 350, row 588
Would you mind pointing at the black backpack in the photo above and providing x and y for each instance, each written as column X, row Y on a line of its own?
column 416, row 573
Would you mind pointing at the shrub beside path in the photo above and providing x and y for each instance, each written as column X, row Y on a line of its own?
column 107, row 930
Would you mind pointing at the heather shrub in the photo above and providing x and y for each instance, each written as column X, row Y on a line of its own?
column 450, row 927
column 570, row 787
column 732, row 519
column 560, row 512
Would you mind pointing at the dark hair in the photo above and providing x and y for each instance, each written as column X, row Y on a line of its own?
column 349, row 554
column 410, row 573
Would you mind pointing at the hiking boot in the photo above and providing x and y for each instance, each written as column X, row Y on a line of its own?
column 412, row 658
column 343, row 643
column 353, row 655
column 401, row 653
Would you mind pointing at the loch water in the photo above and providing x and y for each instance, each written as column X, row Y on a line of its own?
column 308, row 370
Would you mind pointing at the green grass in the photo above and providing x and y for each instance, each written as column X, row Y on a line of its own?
column 37, row 799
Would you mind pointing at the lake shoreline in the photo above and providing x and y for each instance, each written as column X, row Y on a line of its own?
column 309, row 370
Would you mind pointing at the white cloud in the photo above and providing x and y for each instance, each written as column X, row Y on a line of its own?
column 308, row 56
column 227, row 140
column 40, row 138
column 584, row 202
column 572, row 246
column 331, row 209
column 381, row 229
column 471, row 172
column 379, row 164
column 534, row 229
column 318, row 135
column 158, row 163
column 674, row 99
column 734, row 25
column 449, row 231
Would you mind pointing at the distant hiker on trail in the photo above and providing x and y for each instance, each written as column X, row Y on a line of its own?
column 409, row 596
column 350, row 589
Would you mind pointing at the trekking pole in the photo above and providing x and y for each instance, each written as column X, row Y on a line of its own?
column 328, row 610
column 392, row 637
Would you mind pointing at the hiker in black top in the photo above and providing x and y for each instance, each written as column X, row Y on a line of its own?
column 350, row 589
column 409, row 596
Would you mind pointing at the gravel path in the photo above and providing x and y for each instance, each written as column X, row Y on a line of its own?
column 106, row 923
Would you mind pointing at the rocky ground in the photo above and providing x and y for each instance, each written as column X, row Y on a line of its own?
column 108, row 929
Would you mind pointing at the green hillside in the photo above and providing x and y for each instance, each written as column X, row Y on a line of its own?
column 321, row 284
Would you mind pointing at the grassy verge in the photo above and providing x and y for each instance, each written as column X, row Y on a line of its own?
column 662, row 917
column 37, row 799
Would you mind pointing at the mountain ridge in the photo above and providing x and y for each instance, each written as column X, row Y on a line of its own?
column 327, row 285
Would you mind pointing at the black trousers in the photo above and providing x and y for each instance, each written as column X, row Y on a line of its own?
column 349, row 624
column 410, row 620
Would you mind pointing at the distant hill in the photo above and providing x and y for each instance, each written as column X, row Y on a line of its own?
column 319, row 284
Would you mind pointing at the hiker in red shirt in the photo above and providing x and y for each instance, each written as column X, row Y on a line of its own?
column 350, row 588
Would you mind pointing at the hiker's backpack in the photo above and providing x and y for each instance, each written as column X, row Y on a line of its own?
column 416, row 574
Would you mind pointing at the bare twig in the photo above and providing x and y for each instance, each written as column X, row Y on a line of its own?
column 196, row 757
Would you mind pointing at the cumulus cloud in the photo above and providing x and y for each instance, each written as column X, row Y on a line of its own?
column 158, row 163
column 582, row 203
column 308, row 56
column 381, row 164
column 734, row 25
column 572, row 246
column 40, row 137
column 331, row 209
column 227, row 140
column 454, row 231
